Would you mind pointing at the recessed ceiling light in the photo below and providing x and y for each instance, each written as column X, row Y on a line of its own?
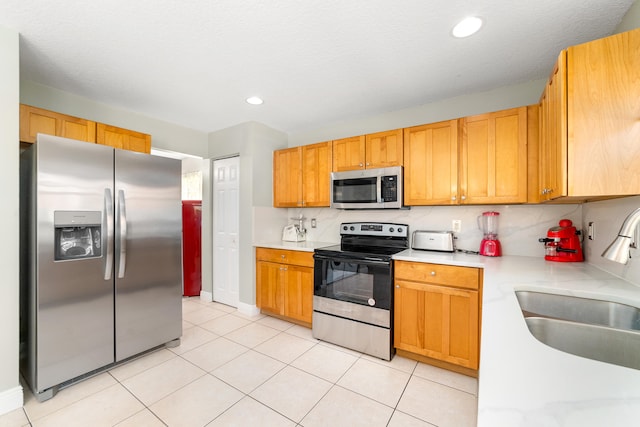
column 254, row 100
column 467, row 27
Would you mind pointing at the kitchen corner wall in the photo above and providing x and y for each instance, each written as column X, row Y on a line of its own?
column 254, row 143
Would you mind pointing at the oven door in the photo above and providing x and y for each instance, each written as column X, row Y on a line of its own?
column 365, row 281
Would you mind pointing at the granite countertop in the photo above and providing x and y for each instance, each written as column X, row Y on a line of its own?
column 523, row 382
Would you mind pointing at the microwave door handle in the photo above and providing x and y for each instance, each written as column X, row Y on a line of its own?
column 122, row 235
column 107, row 225
column 379, row 188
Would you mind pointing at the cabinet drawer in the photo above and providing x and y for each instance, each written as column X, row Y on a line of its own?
column 284, row 256
column 448, row 275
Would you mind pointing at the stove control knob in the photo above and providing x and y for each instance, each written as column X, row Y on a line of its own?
column 345, row 228
column 399, row 229
column 352, row 228
column 390, row 229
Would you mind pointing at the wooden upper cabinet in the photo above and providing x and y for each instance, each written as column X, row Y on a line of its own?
column 384, row 149
column 302, row 176
column 431, row 164
column 553, row 133
column 493, row 157
column 603, row 110
column 123, row 138
column 316, row 174
column 349, row 154
column 376, row 150
column 37, row 120
column 287, row 178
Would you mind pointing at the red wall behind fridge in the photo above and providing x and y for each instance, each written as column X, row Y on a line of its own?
column 191, row 248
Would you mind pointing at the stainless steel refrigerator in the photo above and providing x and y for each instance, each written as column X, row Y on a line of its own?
column 101, row 272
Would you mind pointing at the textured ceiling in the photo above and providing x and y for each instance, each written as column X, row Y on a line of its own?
column 193, row 62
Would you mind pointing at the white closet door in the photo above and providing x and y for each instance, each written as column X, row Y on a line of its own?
column 226, row 188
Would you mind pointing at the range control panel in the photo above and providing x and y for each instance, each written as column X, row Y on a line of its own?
column 374, row 229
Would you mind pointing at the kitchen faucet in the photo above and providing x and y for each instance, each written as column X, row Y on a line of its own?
column 618, row 250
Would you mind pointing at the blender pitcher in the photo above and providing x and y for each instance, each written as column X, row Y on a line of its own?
column 488, row 223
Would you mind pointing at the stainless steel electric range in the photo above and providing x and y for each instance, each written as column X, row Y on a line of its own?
column 353, row 287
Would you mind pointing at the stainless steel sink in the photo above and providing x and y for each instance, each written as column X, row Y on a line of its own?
column 581, row 310
column 596, row 329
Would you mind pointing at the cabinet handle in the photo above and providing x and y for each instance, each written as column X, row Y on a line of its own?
column 433, row 273
column 283, row 256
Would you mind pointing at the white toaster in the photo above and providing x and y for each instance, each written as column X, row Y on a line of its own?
column 442, row 241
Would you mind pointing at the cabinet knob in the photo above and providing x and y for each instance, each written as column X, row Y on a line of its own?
column 368, row 164
column 360, row 164
column 433, row 273
column 283, row 256
column 398, row 286
column 453, row 198
column 463, row 198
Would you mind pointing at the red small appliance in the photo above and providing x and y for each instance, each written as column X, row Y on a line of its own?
column 490, row 245
column 563, row 243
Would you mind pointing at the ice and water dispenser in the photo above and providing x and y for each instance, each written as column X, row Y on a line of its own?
column 78, row 234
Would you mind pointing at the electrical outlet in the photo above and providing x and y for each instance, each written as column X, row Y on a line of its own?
column 456, row 225
column 313, row 223
column 591, row 231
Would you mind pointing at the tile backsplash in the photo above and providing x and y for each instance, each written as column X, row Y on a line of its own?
column 520, row 226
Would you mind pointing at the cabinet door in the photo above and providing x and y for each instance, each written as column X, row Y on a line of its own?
column 431, row 164
column 494, row 158
column 37, row 120
column 348, row 153
column 269, row 291
column 603, row 94
column 384, row 149
column 553, row 133
column 298, row 292
column 316, row 174
column 437, row 322
column 287, row 178
column 123, row 138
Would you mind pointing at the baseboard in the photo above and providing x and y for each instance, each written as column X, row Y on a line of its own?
column 248, row 309
column 206, row 296
column 11, row 400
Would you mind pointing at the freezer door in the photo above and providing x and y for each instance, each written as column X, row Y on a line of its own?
column 71, row 303
column 148, row 262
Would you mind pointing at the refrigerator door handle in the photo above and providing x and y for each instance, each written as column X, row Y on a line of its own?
column 107, row 224
column 122, row 235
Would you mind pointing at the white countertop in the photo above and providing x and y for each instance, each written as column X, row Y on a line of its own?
column 523, row 382
column 307, row 246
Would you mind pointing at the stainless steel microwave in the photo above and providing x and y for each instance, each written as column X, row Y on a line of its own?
column 367, row 189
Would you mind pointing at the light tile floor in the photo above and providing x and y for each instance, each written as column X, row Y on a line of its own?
column 234, row 370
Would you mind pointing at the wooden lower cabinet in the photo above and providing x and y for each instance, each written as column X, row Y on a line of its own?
column 436, row 320
column 284, row 283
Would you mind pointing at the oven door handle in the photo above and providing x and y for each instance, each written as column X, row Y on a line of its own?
column 363, row 260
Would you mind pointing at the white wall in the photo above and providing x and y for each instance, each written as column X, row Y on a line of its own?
column 254, row 143
column 474, row 103
column 166, row 136
column 10, row 389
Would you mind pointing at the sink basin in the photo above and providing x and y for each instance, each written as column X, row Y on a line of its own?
column 581, row 310
column 596, row 329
